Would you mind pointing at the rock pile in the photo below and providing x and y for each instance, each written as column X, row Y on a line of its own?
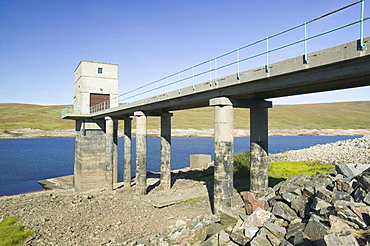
column 331, row 209
column 347, row 151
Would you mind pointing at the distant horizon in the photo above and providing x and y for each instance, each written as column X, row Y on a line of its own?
column 21, row 103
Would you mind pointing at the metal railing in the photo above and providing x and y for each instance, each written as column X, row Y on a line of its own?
column 191, row 75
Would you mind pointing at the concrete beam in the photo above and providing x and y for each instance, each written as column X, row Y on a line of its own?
column 223, row 152
column 259, row 150
column 127, row 149
column 141, row 152
column 239, row 103
column 166, row 150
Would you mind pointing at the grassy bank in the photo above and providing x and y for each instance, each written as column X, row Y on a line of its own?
column 278, row 171
column 344, row 115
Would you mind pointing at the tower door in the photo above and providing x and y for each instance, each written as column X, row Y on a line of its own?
column 99, row 102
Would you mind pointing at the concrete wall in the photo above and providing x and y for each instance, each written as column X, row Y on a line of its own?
column 88, row 80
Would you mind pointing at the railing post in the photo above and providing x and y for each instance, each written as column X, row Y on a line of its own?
column 238, row 63
column 305, row 59
column 362, row 45
column 267, row 55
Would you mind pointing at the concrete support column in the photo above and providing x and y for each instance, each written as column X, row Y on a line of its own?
column 141, row 134
column 165, row 181
column 127, row 148
column 109, row 151
column 115, row 151
column 223, row 152
column 259, row 150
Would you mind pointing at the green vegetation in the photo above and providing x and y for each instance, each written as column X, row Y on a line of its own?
column 344, row 115
column 12, row 235
column 278, row 171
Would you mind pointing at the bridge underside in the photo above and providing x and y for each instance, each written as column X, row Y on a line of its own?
column 336, row 68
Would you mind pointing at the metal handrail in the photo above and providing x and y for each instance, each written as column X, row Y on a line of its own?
column 121, row 100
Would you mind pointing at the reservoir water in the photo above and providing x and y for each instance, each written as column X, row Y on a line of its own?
column 25, row 161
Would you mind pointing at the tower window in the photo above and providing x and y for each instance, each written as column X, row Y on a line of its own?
column 100, row 70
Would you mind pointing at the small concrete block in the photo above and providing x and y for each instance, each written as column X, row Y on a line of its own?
column 199, row 161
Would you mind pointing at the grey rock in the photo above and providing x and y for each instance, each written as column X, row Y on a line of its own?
column 351, row 170
column 211, row 241
column 308, row 191
column 223, row 238
column 278, row 231
column 282, row 210
column 321, row 205
column 286, row 243
column 261, row 238
column 315, row 229
column 300, row 206
column 341, row 195
column 228, row 216
column 339, row 225
column 364, row 181
column 300, row 240
column 349, row 215
column 214, row 228
column 294, row 229
column 288, row 196
column 359, row 194
column 251, row 231
column 367, row 199
column 324, row 194
column 340, row 240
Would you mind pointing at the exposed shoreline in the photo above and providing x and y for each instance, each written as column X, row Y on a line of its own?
column 154, row 133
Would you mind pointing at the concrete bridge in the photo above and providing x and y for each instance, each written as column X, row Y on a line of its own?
column 340, row 67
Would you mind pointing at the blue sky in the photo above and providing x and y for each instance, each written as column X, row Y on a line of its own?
column 42, row 41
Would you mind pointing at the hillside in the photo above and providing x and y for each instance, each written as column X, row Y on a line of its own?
column 343, row 115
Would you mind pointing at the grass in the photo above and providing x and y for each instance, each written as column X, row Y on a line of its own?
column 278, row 171
column 12, row 235
column 343, row 115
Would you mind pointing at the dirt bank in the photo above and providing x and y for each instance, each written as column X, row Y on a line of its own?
column 37, row 133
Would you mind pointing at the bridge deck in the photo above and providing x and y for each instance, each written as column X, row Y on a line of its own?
column 340, row 67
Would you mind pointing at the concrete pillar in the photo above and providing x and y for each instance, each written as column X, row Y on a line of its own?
column 109, row 150
column 90, row 155
column 127, row 152
column 115, row 151
column 166, row 150
column 141, row 132
column 223, row 152
column 259, row 150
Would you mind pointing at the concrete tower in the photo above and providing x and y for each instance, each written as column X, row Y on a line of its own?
column 96, row 84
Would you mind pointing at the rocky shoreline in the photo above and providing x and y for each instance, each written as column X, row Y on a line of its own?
column 331, row 209
column 347, row 151
column 37, row 133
